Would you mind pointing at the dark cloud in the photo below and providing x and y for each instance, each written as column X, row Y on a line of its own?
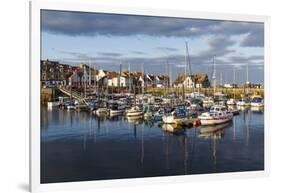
column 92, row 24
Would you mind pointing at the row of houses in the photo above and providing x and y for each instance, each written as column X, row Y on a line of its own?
column 54, row 73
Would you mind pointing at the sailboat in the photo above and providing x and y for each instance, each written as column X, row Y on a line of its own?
column 134, row 112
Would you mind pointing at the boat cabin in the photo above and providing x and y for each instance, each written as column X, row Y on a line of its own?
column 218, row 108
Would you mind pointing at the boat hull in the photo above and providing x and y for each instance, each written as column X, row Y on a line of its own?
column 257, row 104
column 116, row 112
column 170, row 119
column 134, row 114
column 215, row 120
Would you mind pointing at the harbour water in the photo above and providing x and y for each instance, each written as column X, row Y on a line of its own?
column 77, row 146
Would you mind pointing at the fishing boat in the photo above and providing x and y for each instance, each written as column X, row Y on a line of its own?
column 176, row 116
column 244, row 102
column 218, row 114
column 257, row 101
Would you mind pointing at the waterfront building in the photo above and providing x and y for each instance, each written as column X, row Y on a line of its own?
column 53, row 73
column 200, row 80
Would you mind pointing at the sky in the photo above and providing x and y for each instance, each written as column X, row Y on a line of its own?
column 106, row 40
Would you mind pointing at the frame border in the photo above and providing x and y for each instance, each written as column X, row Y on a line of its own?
column 34, row 93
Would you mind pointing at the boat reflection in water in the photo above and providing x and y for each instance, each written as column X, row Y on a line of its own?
column 214, row 133
column 257, row 109
column 81, row 146
column 173, row 128
column 243, row 108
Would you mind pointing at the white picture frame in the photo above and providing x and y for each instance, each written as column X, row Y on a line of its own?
column 36, row 6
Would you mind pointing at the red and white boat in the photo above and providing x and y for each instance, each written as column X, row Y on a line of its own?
column 218, row 114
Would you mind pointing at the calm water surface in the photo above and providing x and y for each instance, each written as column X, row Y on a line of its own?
column 77, row 146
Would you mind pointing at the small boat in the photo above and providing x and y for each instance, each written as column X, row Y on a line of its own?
column 244, row 102
column 257, row 101
column 134, row 112
column 176, row 116
column 231, row 101
column 217, row 115
column 116, row 109
column 102, row 112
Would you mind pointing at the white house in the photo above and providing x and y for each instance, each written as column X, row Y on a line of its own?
column 194, row 81
column 115, row 80
column 101, row 73
column 184, row 81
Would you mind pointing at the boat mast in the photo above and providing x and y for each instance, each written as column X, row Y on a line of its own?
column 85, row 81
column 90, row 73
column 185, row 63
column 189, row 64
column 234, row 80
column 247, row 83
column 221, row 79
column 142, row 72
column 119, row 78
column 130, row 78
column 170, row 75
column 214, row 75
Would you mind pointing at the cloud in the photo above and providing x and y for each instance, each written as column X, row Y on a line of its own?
column 138, row 52
column 253, row 40
column 111, row 54
column 167, row 49
column 93, row 24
